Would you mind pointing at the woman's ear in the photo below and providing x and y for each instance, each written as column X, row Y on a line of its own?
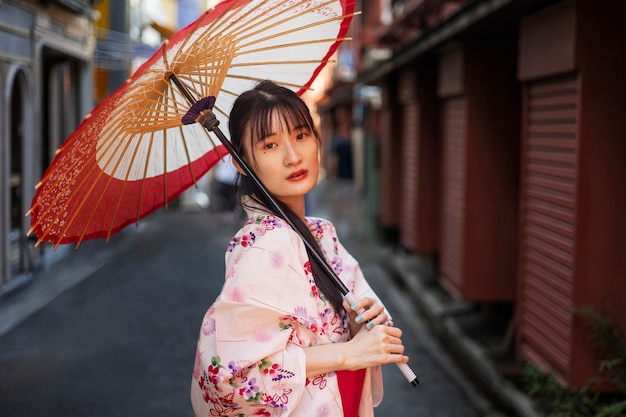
column 237, row 166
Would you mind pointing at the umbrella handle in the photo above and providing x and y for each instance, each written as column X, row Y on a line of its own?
column 404, row 368
column 207, row 118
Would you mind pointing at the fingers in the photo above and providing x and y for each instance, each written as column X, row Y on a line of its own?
column 363, row 303
column 379, row 346
column 371, row 312
column 394, row 346
column 391, row 344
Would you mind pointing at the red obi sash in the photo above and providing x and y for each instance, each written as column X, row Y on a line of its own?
column 350, row 387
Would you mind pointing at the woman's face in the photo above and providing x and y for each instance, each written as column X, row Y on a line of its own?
column 286, row 161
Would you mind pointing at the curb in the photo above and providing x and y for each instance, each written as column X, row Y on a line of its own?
column 415, row 273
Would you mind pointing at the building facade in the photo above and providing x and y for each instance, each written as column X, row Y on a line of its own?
column 499, row 153
column 45, row 90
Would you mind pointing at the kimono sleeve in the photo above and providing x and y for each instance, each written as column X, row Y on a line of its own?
column 251, row 365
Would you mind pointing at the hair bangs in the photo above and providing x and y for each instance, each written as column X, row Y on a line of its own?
column 291, row 114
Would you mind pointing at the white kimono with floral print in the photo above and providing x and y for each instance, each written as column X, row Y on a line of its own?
column 249, row 359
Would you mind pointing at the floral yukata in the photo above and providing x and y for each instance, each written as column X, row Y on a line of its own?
column 249, row 360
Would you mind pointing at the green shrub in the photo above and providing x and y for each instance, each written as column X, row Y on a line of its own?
column 558, row 401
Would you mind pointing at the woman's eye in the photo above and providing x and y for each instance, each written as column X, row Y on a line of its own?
column 301, row 136
column 269, row 145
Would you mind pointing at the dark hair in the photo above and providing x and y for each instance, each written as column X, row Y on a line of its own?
column 252, row 113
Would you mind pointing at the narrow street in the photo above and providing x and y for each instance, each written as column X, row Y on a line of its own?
column 121, row 342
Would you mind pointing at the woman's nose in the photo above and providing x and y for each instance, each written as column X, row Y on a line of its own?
column 292, row 156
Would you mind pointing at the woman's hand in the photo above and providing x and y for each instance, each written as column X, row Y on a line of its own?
column 374, row 314
column 379, row 345
column 374, row 342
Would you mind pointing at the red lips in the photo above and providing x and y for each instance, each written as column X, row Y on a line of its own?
column 298, row 175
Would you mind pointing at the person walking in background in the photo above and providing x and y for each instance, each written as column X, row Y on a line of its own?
column 343, row 186
column 225, row 185
column 279, row 339
column 342, row 149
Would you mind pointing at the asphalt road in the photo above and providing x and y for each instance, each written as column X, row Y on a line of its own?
column 121, row 341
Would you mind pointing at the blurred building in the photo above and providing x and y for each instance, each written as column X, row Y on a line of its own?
column 45, row 90
column 490, row 139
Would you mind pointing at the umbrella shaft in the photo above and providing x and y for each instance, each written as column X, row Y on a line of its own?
column 183, row 90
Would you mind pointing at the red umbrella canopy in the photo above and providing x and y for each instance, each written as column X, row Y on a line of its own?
column 133, row 154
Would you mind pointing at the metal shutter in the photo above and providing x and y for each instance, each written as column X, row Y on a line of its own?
column 548, row 195
column 386, row 202
column 453, row 198
column 410, row 176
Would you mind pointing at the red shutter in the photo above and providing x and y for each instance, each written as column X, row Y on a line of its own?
column 453, row 198
column 548, row 195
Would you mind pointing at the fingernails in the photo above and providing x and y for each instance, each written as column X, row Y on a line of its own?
column 353, row 306
column 370, row 325
column 358, row 319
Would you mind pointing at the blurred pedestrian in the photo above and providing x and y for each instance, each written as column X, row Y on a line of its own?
column 279, row 340
column 342, row 148
column 225, row 185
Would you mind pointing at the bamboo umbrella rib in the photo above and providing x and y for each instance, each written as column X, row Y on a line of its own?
column 245, row 77
column 165, row 202
column 105, row 188
column 151, row 103
column 120, row 197
column 225, row 113
column 276, row 12
column 289, row 45
column 265, row 63
column 111, row 159
column 145, row 175
column 156, row 96
column 189, row 161
column 222, row 74
column 214, row 25
column 203, row 76
column 286, row 32
column 115, row 211
column 187, row 155
column 220, row 22
column 261, row 26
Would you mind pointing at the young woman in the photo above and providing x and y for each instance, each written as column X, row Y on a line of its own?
column 279, row 340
